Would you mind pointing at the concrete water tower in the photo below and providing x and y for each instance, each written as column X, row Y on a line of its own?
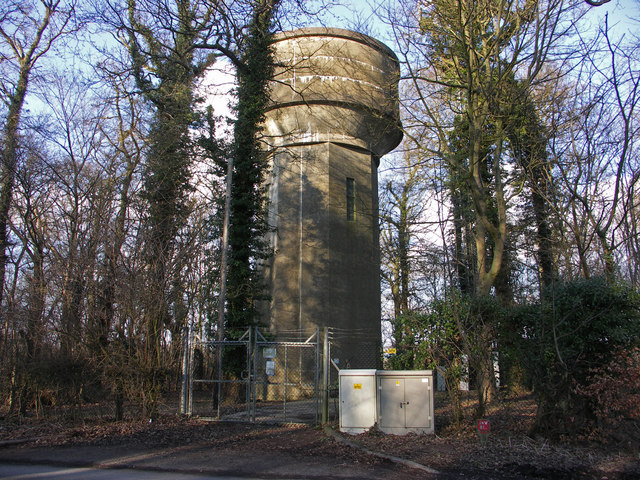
column 333, row 113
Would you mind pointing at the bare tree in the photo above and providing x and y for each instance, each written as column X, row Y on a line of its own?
column 28, row 29
column 168, row 46
column 597, row 159
column 401, row 237
column 26, row 325
column 123, row 131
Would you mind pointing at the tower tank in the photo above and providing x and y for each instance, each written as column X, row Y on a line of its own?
column 333, row 113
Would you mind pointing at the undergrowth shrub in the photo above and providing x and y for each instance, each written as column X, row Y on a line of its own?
column 613, row 395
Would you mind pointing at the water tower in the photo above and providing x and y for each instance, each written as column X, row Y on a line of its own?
column 333, row 113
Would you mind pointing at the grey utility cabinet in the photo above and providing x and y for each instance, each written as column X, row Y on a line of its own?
column 357, row 395
column 405, row 401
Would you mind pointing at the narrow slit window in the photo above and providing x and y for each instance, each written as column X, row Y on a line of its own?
column 351, row 199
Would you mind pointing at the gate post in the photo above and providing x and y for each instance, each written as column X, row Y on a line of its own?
column 325, row 375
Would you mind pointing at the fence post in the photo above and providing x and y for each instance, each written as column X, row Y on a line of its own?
column 325, row 375
column 184, row 397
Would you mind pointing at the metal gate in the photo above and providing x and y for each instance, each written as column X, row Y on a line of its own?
column 253, row 378
column 285, row 380
column 217, row 373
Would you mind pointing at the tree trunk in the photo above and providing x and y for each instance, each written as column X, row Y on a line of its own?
column 9, row 164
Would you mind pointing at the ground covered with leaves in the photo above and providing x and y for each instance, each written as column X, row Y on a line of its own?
column 508, row 455
column 455, row 450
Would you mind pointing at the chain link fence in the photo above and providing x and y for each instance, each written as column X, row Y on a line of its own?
column 258, row 378
column 349, row 349
column 255, row 378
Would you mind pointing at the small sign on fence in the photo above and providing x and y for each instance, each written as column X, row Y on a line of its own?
column 270, row 368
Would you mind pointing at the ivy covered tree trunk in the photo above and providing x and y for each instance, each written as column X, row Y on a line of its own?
column 471, row 59
column 248, row 219
column 168, row 172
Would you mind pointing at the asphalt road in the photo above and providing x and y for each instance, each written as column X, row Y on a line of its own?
column 47, row 472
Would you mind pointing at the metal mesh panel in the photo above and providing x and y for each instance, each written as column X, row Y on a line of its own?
column 353, row 348
column 350, row 349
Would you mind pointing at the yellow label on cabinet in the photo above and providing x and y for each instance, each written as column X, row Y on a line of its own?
column 357, row 386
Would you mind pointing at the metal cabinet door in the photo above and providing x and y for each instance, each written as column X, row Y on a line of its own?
column 392, row 402
column 417, row 411
column 357, row 403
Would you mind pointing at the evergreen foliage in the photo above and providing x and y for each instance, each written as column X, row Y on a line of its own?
column 451, row 335
column 574, row 331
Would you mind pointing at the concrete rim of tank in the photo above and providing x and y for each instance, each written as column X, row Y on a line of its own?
column 338, row 33
column 393, row 120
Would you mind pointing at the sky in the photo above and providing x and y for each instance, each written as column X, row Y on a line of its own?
column 624, row 14
column 363, row 15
